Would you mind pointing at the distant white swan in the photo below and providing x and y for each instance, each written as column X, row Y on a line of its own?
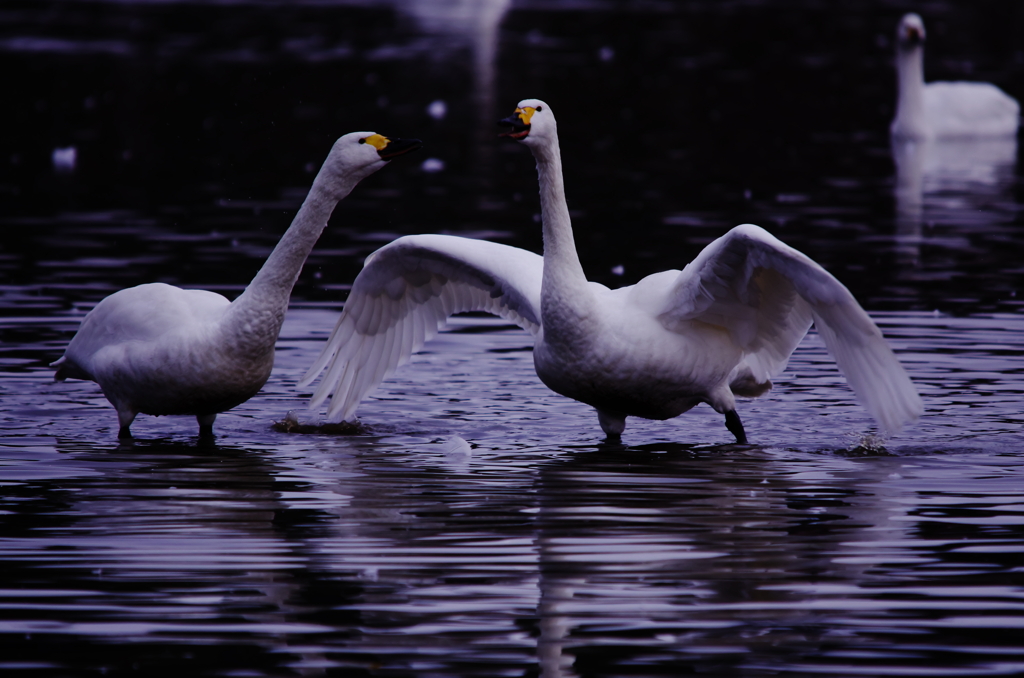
column 944, row 109
column 159, row 349
column 720, row 328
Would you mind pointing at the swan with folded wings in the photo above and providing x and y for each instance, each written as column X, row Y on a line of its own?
column 159, row 349
column 720, row 328
column 943, row 110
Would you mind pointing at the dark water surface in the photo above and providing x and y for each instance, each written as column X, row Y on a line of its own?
column 481, row 527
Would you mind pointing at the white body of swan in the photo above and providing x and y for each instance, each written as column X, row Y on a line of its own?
column 722, row 327
column 944, row 109
column 159, row 349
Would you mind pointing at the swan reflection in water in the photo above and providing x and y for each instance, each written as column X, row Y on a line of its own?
column 472, row 25
column 959, row 182
column 702, row 557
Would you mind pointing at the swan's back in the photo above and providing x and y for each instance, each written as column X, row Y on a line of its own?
column 140, row 317
column 970, row 109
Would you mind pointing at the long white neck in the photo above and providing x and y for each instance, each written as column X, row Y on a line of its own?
column 566, row 300
column 254, row 319
column 911, row 120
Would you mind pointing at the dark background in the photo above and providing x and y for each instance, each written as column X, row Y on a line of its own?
column 198, row 127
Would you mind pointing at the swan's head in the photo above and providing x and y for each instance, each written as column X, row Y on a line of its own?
column 360, row 154
column 910, row 32
column 532, row 122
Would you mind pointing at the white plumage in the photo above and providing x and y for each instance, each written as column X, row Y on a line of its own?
column 944, row 109
column 721, row 327
column 159, row 349
column 405, row 294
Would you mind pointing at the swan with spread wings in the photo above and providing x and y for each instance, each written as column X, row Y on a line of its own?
column 720, row 328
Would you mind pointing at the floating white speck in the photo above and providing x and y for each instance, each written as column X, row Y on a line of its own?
column 606, row 54
column 64, row 159
column 432, row 165
column 618, row 270
column 437, row 109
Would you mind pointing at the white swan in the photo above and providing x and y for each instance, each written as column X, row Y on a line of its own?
column 944, row 109
column 159, row 349
column 720, row 328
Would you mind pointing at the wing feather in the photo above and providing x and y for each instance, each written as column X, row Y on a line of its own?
column 766, row 294
column 404, row 295
column 408, row 329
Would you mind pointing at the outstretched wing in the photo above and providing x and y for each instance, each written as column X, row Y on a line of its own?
column 404, row 295
column 766, row 294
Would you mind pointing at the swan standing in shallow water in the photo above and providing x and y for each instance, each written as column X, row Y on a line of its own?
column 720, row 328
column 159, row 349
column 944, row 109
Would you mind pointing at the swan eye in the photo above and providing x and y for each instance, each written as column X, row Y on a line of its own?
column 363, row 140
column 540, row 108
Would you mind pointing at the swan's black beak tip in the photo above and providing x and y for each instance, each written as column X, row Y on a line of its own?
column 397, row 147
column 519, row 129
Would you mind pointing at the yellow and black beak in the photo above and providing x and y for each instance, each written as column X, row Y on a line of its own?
column 519, row 122
column 391, row 148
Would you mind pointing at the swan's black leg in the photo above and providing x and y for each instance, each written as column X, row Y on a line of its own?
column 125, row 417
column 206, row 424
column 612, row 423
column 735, row 426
